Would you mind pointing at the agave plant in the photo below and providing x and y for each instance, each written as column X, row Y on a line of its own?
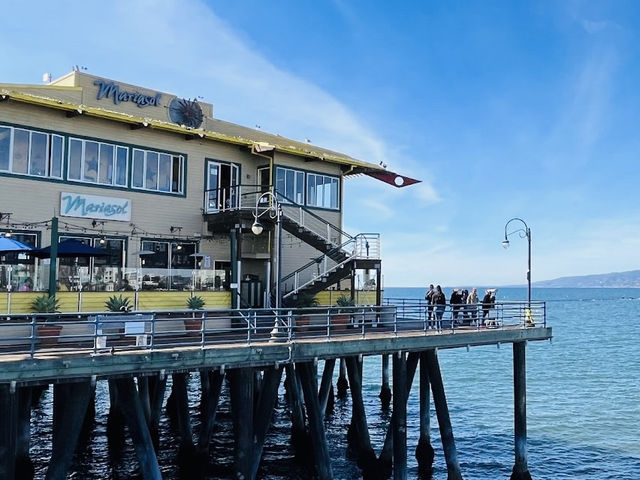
column 118, row 304
column 195, row 303
column 45, row 304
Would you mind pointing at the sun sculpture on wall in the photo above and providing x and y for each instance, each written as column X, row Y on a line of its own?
column 185, row 112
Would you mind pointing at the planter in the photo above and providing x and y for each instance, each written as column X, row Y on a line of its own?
column 340, row 322
column 193, row 326
column 48, row 334
column 302, row 323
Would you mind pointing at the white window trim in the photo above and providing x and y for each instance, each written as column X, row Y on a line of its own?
column 115, row 146
column 144, row 172
column 331, row 177
column 47, row 148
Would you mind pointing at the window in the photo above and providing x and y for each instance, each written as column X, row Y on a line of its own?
column 290, row 185
column 157, row 171
column 28, row 152
column 322, row 191
column 97, row 162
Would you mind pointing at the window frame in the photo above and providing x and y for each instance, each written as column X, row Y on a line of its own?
column 310, row 199
column 180, row 183
column 114, row 162
column 296, row 184
column 48, row 153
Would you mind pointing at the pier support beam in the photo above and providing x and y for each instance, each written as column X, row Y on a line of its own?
column 70, row 402
column 299, row 437
column 211, row 396
column 157, row 387
column 399, row 417
column 385, row 390
column 322, row 460
column 241, row 383
column 8, row 430
column 342, row 383
column 520, row 468
column 424, row 450
column 326, row 386
column 442, row 412
column 358, row 435
column 264, row 410
column 131, row 405
column 385, row 460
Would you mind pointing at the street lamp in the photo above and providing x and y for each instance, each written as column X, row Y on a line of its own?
column 274, row 211
column 523, row 233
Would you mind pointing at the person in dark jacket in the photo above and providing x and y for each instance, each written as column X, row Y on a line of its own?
column 440, row 303
column 429, row 299
column 455, row 300
column 487, row 303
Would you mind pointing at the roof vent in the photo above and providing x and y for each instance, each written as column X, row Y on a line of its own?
column 46, row 77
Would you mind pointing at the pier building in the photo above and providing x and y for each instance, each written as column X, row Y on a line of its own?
column 170, row 192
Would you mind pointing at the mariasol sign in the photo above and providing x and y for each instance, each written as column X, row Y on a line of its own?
column 93, row 206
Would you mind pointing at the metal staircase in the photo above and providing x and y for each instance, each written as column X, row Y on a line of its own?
column 340, row 252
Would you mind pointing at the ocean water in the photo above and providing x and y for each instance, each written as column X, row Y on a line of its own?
column 583, row 405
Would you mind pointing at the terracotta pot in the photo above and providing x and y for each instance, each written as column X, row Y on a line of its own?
column 48, row 334
column 193, row 326
column 340, row 322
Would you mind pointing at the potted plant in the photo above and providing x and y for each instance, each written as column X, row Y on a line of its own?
column 304, row 303
column 47, row 332
column 118, row 304
column 344, row 316
column 194, row 324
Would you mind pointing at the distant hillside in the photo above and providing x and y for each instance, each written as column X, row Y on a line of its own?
column 606, row 280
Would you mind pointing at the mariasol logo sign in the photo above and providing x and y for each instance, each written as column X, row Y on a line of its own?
column 112, row 90
column 94, row 206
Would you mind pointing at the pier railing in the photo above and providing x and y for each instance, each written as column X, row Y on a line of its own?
column 95, row 333
column 477, row 315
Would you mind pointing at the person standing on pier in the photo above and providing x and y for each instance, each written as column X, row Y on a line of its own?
column 440, row 303
column 472, row 304
column 429, row 299
column 487, row 303
column 455, row 300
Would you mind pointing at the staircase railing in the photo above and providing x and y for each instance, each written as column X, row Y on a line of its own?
column 244, row 197
column 362, row 246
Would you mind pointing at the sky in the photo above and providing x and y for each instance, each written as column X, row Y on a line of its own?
column 503, row 109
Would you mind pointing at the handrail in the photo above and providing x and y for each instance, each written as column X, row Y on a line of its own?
column 92, row 333
column 365, row 245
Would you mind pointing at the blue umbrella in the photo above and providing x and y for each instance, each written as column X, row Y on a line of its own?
column 9, row 245
column 72, row 248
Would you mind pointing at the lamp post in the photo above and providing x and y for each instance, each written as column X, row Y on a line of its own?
column 524, row 233
column 275, row 213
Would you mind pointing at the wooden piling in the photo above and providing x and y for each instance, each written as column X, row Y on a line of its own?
column 342, row 383
column 299, row 437
column 137, row 426
column 385, row 460
column 115, row 423
column 442, row 412
column 520, row 468
column 322, row 460
column 326, row 385
column 23, row 466
column 70, row 402
column 359, row 439
column 213, row 380
column 399, row 418
column 8, row 430
column 241, row 383
column 385, row 389
column 424, row 451
column 157, row 389
column 264, row 411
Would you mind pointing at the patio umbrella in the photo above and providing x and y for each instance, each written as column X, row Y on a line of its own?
column 9, row 245
column 71, row 249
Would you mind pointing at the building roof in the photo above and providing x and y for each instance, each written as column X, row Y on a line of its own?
column 74, row 93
